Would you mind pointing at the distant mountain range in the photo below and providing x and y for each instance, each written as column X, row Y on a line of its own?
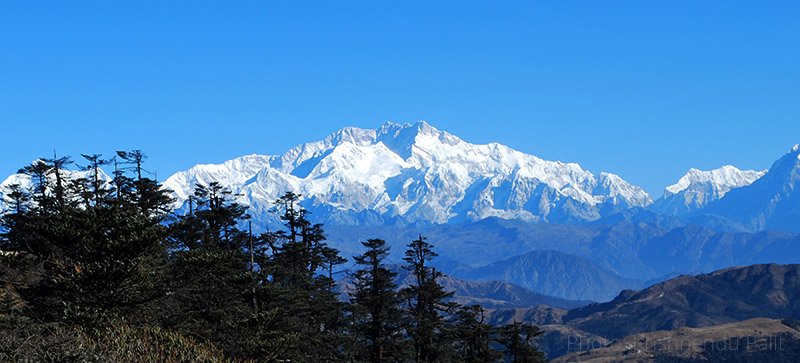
column 721, row 297
column 402, row 174
column 697, row 188
column 488, row 294
column 724, row 296
column 495, row 213
column 554, row 273
column 754, row 340
column 414, row 174
column 578, row 262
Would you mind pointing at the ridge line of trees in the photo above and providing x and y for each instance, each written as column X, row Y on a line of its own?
column 97, row 268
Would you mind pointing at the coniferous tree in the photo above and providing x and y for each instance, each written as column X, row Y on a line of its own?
column 57, row 166
column 146, row 193
column 300, row 285
column 209, row 270
column 89, row 260
column 14, row 217
column 220, row 215
column 38, row 172
column 427, row 307
column 474, row 337
column 376, row 306
column 99, row 190
column 517, row 338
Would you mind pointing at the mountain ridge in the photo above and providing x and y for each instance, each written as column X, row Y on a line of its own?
column 697, row 188
column 416, row 173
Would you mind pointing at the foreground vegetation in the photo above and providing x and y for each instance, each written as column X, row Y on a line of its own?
column 101, row 270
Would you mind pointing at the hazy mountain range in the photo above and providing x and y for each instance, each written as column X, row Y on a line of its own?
column 416, row 174
column 401, row 174
column 721, row 297
column 495, row 213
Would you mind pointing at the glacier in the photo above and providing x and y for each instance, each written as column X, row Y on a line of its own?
column 402, row 174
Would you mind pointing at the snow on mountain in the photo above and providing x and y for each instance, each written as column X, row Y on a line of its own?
column 698, row 188
column 15, row 179
column 771, row 202
column 415, row 173
column 24, row 181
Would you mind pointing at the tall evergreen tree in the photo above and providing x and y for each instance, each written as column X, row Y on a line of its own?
column 474, row 337
column 376, row 306
column 209, row 270
column 220, row 215
column 57, row 167
column 89, row 261
column 99, row 190
column 517, row 338
column 307, row 297
column 38, row 173
column 427, row 305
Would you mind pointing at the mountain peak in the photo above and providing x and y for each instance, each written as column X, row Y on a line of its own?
column 768, row 203
column 415, row 172
column 419, row 127
column 697, row 188
column 788, row 162
column 795, row 151
column 389, row 130
column 353, row 135
column 721, row 180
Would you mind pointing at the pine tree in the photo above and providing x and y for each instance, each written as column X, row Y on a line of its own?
column 220, row 215
column 300, row 286
column 518, row 339
column 57, row 166
column 88, row 261
column 99, row 190
column 474, row 337
column 145, row 193
column 38, row 172
column 209, row 270
column 13, row 220
column 427, row 305
column 376, row 305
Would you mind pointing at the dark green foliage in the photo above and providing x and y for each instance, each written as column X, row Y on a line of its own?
column 376, row 307
column 427, row 306
column 82, row 260
column 219, row 216
column 215, row 286
column 517, row 339
column 38, row 173
column 300, row 268
column 98, row 270
column 93, row 188
column 474, row 337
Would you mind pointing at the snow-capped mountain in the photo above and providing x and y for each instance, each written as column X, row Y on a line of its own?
column 25, row 182
column 771, row 202
column 698, row 188
column 401, row 174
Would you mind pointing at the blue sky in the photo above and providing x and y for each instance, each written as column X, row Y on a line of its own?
column 639, row 89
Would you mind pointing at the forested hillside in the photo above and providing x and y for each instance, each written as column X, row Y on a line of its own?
column 97, row 268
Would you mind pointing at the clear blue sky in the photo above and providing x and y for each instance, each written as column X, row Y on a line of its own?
column 642, row 90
